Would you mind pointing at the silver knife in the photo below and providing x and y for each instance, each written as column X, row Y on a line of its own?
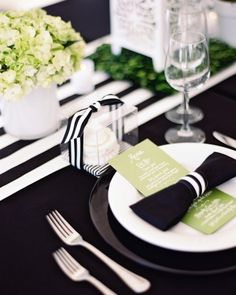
column 225, row 139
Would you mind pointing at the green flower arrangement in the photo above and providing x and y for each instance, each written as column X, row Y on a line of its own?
column 36, row 49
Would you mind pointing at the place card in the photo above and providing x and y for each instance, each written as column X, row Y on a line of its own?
column 211, row 211
column 149, row 169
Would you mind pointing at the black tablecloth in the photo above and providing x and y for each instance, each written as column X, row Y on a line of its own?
column 27, row 242
column 26, row 264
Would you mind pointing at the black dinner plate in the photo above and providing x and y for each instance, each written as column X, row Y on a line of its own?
column 146, row 254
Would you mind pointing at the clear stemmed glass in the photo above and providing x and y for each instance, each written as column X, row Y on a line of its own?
column 182, row 16
column 186, row 67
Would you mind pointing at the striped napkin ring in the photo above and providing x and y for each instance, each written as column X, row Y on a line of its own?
column 196, row 181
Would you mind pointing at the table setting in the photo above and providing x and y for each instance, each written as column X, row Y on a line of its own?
column 116, row 197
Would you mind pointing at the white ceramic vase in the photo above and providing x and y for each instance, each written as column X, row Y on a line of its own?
column 227, row 21
column 34, row 116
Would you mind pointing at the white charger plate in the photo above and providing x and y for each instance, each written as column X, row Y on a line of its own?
column 181, row 237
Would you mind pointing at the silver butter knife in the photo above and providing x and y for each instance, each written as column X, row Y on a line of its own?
column 225, row 139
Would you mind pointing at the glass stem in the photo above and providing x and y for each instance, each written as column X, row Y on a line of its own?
column 185, row 128
column 186, row 111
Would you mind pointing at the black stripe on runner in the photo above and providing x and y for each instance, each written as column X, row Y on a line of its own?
column 2, row 131
column 68, row 99
column 103, row 83
column 150, row 101
column 126, row 91
column 14, row 147
column 29, row 165
column 64, row 83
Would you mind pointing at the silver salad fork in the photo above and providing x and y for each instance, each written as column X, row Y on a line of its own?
column 77, row 272
column 71, row 237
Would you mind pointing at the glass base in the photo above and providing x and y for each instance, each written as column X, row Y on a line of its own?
column 176, row 115
column 177, row 135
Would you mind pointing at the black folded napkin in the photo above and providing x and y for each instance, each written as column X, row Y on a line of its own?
column 166, row 207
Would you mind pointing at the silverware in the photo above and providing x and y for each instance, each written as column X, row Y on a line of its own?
column 77, row 272
column 71, row 237
column 225, row 139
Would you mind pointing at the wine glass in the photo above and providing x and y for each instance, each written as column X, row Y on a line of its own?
column 186, row 67
column 186, row 15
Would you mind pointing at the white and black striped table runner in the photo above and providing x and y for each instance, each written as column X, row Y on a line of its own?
column 24, row 162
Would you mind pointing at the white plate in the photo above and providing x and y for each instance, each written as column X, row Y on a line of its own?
column 180, row 237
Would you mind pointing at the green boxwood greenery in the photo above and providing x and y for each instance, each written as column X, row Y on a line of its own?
column 139, row 69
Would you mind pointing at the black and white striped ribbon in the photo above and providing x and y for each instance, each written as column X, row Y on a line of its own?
column 75, row 128
column 196, row 181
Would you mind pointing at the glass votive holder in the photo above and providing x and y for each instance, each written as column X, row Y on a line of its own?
column 109, row 131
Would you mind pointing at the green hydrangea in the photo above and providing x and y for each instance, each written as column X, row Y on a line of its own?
column 36, row 49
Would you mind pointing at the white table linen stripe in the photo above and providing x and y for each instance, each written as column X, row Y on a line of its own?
column 30, row 151
column 6, row 140
column 36, row 174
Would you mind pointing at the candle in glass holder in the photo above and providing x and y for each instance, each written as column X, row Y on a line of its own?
column 100, row 144
column 82, row 80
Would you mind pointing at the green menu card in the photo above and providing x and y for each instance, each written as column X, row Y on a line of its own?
column 149, row 169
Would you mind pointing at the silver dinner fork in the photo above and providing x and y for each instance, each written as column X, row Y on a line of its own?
column 77, row 272
column 71, row 237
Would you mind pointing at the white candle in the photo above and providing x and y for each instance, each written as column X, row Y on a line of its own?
column 213, row 25
column 82, row 81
